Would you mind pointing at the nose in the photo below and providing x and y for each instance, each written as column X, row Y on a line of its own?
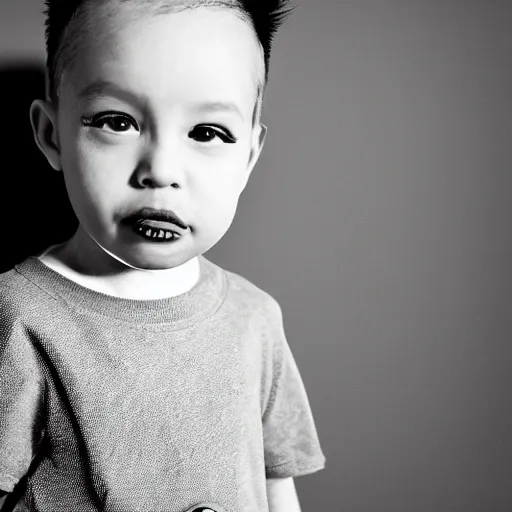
column 161, row 166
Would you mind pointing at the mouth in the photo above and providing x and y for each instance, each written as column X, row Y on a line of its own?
column 156, row 225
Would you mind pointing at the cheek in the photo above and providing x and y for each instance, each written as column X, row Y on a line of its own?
column 99, row 171
column 216, row 205
column 220, row 183
column 230, row 173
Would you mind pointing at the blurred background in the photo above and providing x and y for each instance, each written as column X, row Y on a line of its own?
column 379, row 217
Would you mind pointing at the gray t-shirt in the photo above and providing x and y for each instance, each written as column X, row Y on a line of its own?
column 157, row 405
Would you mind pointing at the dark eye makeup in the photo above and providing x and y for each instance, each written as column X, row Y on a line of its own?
column 116, row 121
column 208, row 132
column 120, row 122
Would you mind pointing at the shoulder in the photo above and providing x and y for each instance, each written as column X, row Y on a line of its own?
column 13, row 290
column 12, row 298
column 20, row 297
column 16, row 297
column 252, row 309
column 248, row 295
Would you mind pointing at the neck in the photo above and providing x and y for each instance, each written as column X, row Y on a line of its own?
column 99, row 271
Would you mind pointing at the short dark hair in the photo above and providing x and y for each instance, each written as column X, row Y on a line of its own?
column 266, row 17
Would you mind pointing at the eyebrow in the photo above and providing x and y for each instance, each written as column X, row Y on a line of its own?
column 104, row 87
column 219, row 106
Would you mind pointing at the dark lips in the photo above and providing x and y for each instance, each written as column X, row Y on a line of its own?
column 156, row 225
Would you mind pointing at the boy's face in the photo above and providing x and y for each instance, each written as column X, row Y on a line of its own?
column 157, row 113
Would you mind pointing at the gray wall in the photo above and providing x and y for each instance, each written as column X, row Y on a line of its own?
column 379, row 217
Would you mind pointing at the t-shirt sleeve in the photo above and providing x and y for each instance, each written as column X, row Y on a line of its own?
column 21, row 397
column 291, row 443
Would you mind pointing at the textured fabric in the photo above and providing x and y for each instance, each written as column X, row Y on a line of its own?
column 124, row 405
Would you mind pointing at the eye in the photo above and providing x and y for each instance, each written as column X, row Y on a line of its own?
column 115, row 122
column 208, row 133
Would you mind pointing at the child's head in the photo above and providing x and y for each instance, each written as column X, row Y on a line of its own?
column 154, row 105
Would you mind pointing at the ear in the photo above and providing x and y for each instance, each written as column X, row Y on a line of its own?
column 43, row 117
column 258, row 141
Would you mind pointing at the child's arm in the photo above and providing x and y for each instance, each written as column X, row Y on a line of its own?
column 282, row 496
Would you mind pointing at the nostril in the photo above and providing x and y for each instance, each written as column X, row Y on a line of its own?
column 147, row 183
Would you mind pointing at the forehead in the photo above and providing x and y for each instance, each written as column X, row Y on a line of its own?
column 210, row 53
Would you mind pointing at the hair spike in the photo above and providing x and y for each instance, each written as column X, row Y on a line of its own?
column 267, row 17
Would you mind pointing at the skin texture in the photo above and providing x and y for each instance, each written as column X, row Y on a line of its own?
column 161, row 150
column 282, row 496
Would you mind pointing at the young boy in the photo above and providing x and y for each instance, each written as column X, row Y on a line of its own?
column 136, row 375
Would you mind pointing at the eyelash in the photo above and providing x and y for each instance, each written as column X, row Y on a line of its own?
column 223, row 134
column 102, row 118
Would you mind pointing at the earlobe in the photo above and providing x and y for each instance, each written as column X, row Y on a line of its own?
column 43, row 118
